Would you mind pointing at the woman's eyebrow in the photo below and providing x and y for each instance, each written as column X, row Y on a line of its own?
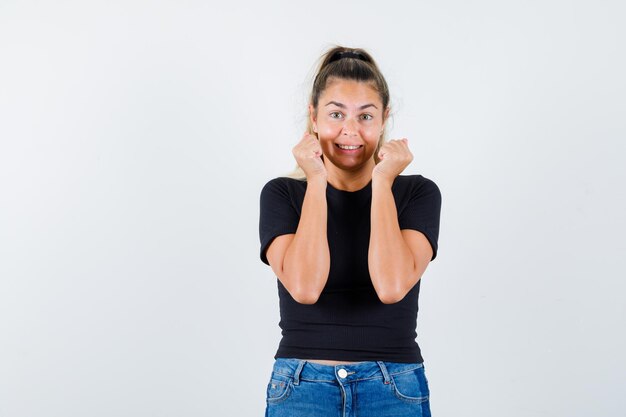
column 343, row 105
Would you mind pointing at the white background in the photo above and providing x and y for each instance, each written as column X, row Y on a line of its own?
column 135, row 137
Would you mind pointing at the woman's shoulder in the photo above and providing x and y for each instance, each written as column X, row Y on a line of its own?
column 414, row 180
column 286, row 181
column 417, row 190
column 284, row 184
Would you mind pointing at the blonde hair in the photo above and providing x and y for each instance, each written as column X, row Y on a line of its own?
column 355, row 64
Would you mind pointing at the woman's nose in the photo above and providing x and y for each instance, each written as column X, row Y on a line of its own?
column 350, row 127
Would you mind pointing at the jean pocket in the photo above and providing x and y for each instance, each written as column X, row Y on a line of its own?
column 279, row 388
column 411, row 386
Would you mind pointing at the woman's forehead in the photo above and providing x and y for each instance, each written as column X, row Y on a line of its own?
column 350, row 93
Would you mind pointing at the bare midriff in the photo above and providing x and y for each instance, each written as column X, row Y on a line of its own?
column 329, row 362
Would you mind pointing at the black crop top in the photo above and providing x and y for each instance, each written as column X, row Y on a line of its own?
column 349, row 322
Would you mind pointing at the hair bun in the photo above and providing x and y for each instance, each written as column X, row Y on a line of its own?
column 347, row 54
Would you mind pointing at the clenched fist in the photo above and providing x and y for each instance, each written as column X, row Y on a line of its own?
column 395, row 156
column 308, row 153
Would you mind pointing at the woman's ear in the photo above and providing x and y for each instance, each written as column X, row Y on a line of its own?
column 386, row 116
column 312, row 116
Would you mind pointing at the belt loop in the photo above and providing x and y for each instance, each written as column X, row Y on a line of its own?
column 296, row 375
column 383, row 368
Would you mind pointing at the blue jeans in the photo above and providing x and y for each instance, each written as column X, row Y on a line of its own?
column 298, row 388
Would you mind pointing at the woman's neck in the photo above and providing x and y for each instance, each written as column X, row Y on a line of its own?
column 349, row 180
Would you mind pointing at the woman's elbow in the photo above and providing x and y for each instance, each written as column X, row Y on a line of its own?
column 303, row 292
column 391, row 294
column 390, row 297
column 306, row 297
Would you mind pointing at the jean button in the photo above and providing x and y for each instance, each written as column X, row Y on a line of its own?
column 342, row 373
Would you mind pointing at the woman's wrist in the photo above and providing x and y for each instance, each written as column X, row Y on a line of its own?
column 317, row 180
column 380, row 181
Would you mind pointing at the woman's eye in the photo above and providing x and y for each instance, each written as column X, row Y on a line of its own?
column 335, row 113
column 368, row 117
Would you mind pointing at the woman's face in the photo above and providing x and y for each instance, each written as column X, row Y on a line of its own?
column 349, row 123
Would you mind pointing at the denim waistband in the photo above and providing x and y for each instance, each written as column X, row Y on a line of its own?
column 301, row 369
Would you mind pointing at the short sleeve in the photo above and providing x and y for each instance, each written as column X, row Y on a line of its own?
column 278, row 214
column 423, row 210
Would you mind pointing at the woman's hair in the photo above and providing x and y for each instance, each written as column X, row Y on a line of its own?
column 347, row 64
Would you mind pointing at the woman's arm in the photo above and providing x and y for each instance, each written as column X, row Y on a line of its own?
column 302, row 260
column 396, row 259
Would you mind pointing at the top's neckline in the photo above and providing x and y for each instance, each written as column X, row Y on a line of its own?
column 367, row 186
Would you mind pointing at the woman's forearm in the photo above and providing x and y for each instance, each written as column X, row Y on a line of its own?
column 389, row 258
column 307, row 259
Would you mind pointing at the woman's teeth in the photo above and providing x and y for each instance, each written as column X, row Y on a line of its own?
column 349, row 146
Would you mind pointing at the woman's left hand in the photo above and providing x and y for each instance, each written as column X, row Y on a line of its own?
column 395, row 156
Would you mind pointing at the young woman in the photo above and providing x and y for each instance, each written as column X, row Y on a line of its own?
column 349, row 238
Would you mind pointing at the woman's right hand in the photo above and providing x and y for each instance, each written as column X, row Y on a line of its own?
column 308, row 153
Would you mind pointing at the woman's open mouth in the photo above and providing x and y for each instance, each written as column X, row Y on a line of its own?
column 349, row 149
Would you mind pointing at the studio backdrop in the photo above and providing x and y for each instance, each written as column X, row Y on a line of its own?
column 135, row 138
